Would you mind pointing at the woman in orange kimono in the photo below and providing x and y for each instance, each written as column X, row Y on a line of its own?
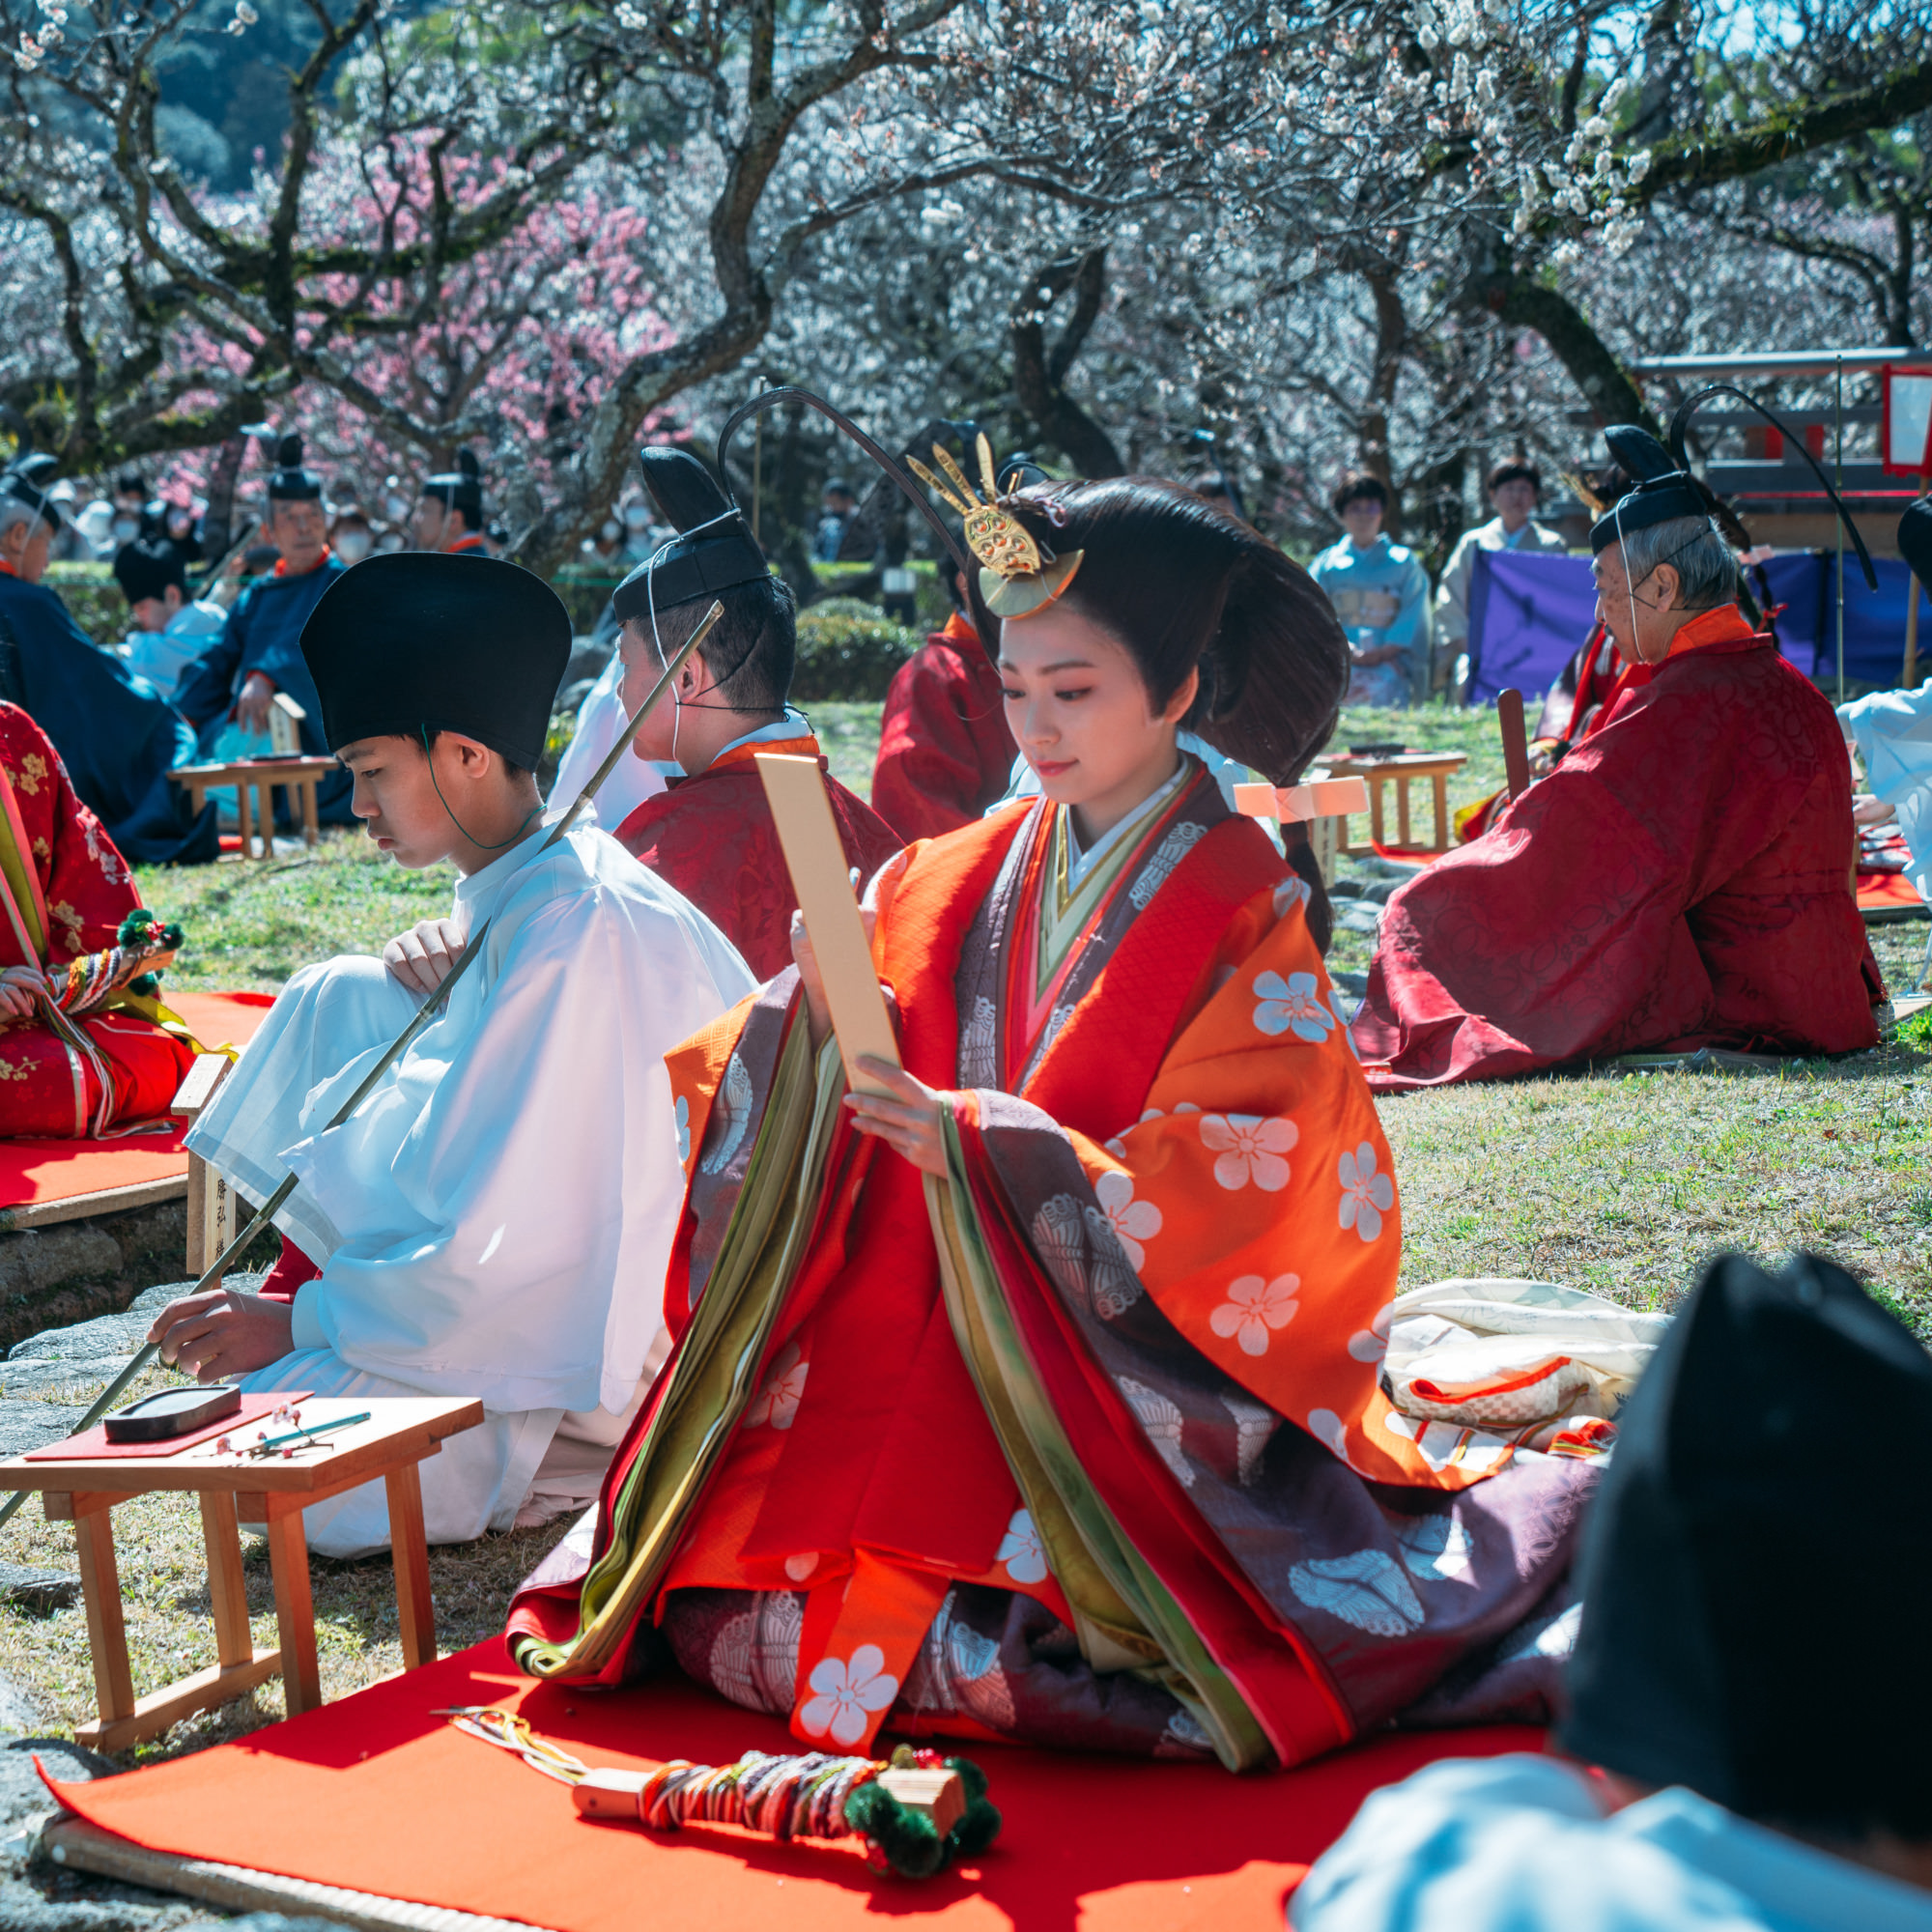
column 85, row 1048
column 1039, row 1397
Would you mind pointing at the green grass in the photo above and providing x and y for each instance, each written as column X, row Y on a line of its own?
column 1625, row 1185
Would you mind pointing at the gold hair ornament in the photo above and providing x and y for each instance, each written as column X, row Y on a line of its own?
column 1016, row 577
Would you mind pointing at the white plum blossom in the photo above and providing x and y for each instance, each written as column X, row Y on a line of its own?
column 1253, row 1308
column 1249, row 1147
column 1371, row 1344
column 1292, row 1006
column 1366, row 1195
column 776, row 1403
column 1020, row 1550
column 682, row 1116
column 1133, row 1222
column 846, row 1694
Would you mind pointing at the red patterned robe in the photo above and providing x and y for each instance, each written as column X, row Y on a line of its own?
column 1681, row 880
column 64, row 890
column 711, row 835
column 945, row 751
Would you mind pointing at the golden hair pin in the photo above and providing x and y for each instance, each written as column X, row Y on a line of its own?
column 1016, row 577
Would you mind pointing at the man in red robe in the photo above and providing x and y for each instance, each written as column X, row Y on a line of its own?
column 85, row 1048
column 945, row 751
column 1681, row 879
column 710, row 833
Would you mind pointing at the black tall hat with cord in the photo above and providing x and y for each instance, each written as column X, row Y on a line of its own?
column 28, row 479
column 1755, row 1556
column 289, row 482
column 713, row 549
column 1666, row 486
column 408, row 643
column 461, row 488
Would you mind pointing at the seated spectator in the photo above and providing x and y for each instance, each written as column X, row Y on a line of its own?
column 450, row 516
column 1513, row 489
column 1380, row 593
column 1748, row 1718
column 350, row 537
column 170, row 629
column 841, row 506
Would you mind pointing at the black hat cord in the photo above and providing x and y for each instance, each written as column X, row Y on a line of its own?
column 502, row 845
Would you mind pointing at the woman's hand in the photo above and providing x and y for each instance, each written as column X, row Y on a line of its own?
column 426, row 955
column 817, row 1014
column 907, row 1118
column 252, row 706
column 222, row 1334
column 19, row 985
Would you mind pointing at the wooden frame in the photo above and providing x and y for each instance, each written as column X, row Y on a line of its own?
column 1401, row 771
column 259, row 780
column 210, row 1201
column 233, row 1489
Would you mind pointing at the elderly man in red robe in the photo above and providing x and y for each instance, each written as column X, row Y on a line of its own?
column 85, row 1046
column 710, row 833
column 946, row 753
column 1681, row 879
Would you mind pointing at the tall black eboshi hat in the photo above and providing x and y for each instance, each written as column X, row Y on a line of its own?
column 411, row 641
column 1755, row 1556
column 713, row 550
column 289, row 482
column 461, row 488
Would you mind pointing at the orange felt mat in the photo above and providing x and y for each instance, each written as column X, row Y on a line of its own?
column 34, row 1171
column 380, row 1795
column 1887, row 891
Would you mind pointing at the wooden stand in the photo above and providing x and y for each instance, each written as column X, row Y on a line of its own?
column 1401, row 770
column 233, row 1489
column 260, row 779
column 210, row 1201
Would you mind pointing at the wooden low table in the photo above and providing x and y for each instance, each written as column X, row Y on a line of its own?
column 298, row 778
column 233, row 1489
column 1401, row 768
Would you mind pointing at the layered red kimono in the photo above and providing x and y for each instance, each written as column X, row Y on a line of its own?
column 711, row 835
column 91, row 1058
column 1084, row 1443
column 946, row 753
column 1681, row 880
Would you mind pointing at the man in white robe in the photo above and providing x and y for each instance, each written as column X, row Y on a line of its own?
column 1515, row 489
column 495, row 1219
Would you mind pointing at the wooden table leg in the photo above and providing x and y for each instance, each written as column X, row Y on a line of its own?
column 227, row 1592
column 295, row 1613
column 1401, row 808
column 311, row 812
column 1440, row 782
column 106, row 1633
column 241, row 803
column 1375, row 784
column 410, row 1547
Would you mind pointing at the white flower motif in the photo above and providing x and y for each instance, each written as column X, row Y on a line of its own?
column 1250, row 1149
column 683, row 1118
column 847, row 1694
column 1020, row 1549
column 1331, row 1432
column 776, row 1403
column 1293, row 892
column 1253, row 1307
column 1132, row 1221
column 798, row 1568
column 1371, row 1344
column 1292, row 1006
column 1366, row 1195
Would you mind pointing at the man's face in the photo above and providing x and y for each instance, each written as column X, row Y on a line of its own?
column 152, row 613
column 1514, row 501
column 1362, row 518
column 25, row 546
column 1642, row 618
column 300, row 531
column 840, row 502
column 431, row 523
column 641, row 670
column 396, row 798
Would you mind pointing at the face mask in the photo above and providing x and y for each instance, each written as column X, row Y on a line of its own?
column 393, row 541
column 636, row 517
column 353, row 545
column 126, row 528
column 612, row 530
column 395, row 507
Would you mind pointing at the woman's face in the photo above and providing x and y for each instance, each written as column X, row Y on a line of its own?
column 1079, row 711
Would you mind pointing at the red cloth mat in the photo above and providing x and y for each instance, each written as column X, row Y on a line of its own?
column 378, row 1794
column 1887, row 891
column 33, row 1170
column 94, row 1445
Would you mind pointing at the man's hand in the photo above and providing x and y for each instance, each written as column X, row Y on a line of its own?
column 425, row 956
column 222, row 1334
column 252, row 708
column 907, row 1121
column 18, row 987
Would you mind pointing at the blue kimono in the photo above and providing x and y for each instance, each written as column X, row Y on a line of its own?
column 263, row 632
column 1381, row 596
column 116, row 734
